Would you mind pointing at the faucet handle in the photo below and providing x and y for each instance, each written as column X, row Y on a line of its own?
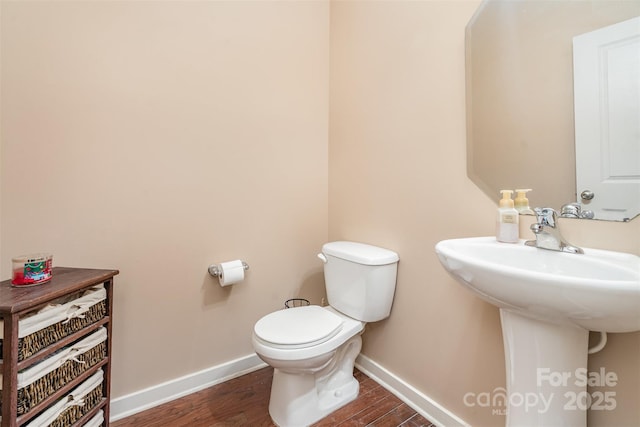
column 546, row 216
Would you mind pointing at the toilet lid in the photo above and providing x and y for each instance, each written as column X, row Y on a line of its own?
column 299, row 326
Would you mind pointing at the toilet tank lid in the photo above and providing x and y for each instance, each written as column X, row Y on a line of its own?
column 360, row 253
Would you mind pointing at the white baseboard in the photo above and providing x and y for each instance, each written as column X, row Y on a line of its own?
column 139, row 401
column 420, row 402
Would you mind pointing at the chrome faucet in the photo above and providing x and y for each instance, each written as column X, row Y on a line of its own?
column 547, row 233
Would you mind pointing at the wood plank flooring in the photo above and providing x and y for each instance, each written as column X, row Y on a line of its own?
column 244, row 401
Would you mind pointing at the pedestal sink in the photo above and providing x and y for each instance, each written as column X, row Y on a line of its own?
column 548, row 303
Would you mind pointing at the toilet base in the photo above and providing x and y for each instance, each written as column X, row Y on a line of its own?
column 299, row 400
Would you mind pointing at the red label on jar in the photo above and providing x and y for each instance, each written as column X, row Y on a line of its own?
column 32, row 272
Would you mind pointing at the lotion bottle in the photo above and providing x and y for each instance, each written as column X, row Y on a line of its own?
column 507, row 221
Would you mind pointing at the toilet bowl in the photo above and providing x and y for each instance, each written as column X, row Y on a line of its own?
column 313, row 349
column 312, row 377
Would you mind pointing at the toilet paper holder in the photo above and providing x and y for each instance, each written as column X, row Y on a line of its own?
column 214, row 269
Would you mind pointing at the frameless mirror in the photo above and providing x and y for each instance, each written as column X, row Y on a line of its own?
column 521, row 131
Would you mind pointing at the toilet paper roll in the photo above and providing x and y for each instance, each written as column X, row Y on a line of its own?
column 231, row 272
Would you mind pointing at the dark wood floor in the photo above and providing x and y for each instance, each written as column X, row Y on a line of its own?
column 244, row 401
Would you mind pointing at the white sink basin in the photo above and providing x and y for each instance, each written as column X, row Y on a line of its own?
column 598, row 290
column 548, row 302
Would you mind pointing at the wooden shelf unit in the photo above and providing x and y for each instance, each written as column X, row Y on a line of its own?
column 16, row 302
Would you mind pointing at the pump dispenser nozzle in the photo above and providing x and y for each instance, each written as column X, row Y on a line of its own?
column 506, row 201
column 522, row 203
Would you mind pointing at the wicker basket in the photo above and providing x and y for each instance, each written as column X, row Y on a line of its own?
column 35, row 393
column 69, row 409
column 33, row 343
column 75, row 412
column 40, row 381
column 61, row 318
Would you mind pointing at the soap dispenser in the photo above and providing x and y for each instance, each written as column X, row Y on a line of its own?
column 507, row 221
column 522, row 203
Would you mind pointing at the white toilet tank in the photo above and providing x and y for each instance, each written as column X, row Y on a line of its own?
column 360, row 279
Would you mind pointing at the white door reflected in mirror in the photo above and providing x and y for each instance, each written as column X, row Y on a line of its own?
column 607, row 108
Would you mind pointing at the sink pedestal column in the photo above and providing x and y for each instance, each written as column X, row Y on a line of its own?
column 546, row 367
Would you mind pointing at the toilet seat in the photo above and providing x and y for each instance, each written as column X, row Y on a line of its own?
column 297, row 352
column 298, row 327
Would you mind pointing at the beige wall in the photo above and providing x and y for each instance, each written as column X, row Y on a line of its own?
column 397, row 179
column 168, row 135
column 157, row 138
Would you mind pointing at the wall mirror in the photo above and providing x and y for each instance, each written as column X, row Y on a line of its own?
column 520, row 99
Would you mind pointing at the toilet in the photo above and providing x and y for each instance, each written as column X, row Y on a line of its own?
column 313, row 349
